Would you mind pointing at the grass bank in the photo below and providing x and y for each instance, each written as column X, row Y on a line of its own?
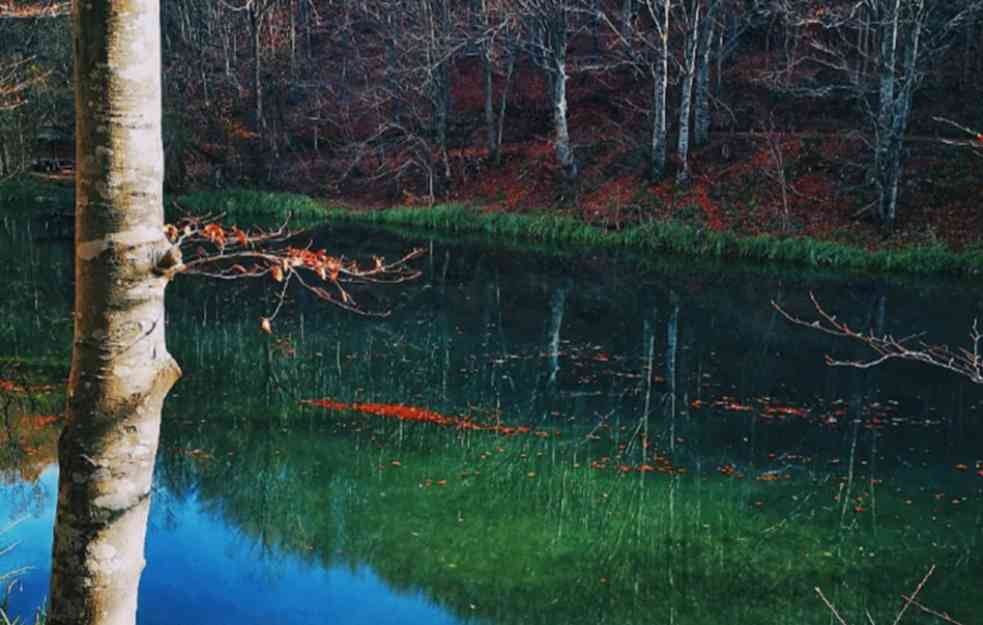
column 246, row 207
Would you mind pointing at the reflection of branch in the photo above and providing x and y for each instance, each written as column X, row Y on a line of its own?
column 231, row 253
column 965, row 362
column 908, row 601
column 941, row 615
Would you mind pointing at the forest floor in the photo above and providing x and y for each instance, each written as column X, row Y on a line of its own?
column 735, row 186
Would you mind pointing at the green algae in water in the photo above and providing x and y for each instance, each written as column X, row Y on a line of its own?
column 528, row 529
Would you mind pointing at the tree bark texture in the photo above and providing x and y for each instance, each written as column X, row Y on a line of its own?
column 660, row 84
column 701, row 96
column 121, row 370
column 686, row 94
column 557, row 38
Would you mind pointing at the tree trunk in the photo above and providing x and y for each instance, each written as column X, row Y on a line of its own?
column 896, row 92
column 502, row 108
column 660, row 79
column 489, row 86
column 888, row 19
column 564, row 152
column 556, row 38
column 488, row 75
column 686, row 94
column 701, row 103
column 440, row 83
column 121, row 370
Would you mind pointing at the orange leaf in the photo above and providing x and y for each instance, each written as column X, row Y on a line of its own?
column 264, row 325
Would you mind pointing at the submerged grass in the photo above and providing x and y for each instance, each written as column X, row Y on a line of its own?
column 524, row 530
column 672, row 237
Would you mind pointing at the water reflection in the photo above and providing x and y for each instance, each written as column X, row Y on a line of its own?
column 688, row 457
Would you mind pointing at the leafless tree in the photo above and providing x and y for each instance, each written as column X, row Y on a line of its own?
column 903, row 40
column 548, row 27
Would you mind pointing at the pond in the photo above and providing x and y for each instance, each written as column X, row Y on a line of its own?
column 527, row 437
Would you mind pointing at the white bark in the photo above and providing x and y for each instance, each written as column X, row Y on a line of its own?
column 121, row 370
column 701, row 104
column 660, row 80
column 686, row 93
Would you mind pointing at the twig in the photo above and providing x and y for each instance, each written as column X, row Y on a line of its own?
column 941, row 615
column 829, row 605
column 918, row 589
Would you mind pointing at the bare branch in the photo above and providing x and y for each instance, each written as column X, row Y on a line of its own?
column 201, row 246
column 964, row 361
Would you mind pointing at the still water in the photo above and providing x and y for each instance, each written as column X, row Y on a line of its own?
column 527, row 437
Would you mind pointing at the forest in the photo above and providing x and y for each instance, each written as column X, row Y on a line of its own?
column 848, row 121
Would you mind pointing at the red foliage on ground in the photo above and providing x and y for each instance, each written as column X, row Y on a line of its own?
column 424, row 415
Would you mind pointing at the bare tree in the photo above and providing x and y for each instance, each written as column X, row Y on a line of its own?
column 646, row 49
column 494, row 37
column 771, row 140
column 902, row 39
column 548, row 26
column 698, row 16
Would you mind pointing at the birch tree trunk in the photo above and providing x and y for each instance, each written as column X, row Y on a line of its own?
column 488, row 77
column 888, row 20
column 660, row 80
column 556, row 38
column 440, row 82
column 686, row 94
column 121, row 370
column 701, row 97
column 564, row 151
column 901, row 33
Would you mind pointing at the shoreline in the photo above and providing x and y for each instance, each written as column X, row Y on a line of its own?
column 673, row 237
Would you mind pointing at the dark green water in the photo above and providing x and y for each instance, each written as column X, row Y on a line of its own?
column 773, row 475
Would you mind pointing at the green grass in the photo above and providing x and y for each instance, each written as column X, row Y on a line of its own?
column 244, row 207
column 673, row 237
